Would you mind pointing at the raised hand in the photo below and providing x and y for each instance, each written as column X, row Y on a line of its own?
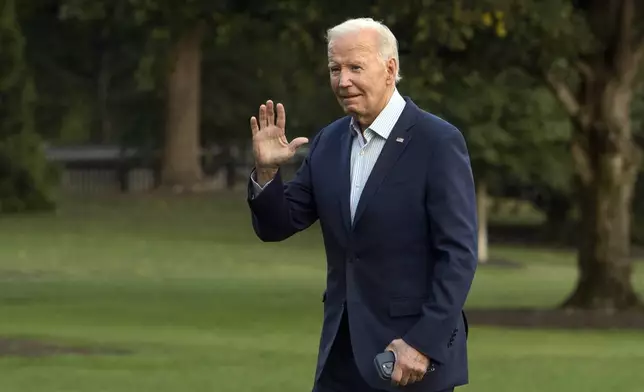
column 270, row 146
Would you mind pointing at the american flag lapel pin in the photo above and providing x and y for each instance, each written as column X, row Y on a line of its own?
column 400, row 139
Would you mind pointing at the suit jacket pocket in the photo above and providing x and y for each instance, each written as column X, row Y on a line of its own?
column 401, row 307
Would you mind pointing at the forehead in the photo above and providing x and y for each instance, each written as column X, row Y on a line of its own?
column 353, row 46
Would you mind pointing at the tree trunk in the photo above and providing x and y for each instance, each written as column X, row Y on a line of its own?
column 605, row 155
column 557, row 209
column 607, row 162
column 482, row 211
column 181, row 161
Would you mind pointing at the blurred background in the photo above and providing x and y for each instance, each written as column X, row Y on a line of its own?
column 127, row 257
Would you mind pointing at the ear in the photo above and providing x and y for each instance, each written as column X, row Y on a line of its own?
column 392, row 68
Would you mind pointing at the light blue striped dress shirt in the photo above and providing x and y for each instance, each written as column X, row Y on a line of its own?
column 366, row 147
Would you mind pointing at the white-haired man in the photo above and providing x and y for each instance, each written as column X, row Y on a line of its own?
column 392, row 187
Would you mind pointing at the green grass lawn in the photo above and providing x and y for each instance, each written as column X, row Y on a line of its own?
column 202, row 305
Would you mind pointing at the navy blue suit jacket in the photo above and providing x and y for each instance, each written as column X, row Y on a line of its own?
column 403, row 269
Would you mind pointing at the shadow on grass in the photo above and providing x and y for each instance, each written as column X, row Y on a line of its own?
column 556, row 319
column 531, row 236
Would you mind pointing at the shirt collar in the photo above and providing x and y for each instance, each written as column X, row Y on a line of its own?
column 386, row 120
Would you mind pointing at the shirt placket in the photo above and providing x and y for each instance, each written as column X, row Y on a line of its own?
column 358, row 177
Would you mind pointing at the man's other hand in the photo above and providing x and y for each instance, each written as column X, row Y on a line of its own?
column 410, row 366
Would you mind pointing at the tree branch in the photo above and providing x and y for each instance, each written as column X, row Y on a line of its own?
column 639, row 52
column 624, row 33
column 585, row 69
column 582, row 162
column 629, row 49
column 563, row 94
column 630, row 67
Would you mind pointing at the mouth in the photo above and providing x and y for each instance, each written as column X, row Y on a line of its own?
column 349, row 96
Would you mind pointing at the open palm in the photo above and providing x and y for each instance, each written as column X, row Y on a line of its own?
column 270, row 146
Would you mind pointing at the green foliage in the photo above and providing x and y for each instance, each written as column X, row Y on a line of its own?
column 515, row 129
column 451, row 57
column 83, row 68
column 26, row 180
column 273, row 62
column 77, row 121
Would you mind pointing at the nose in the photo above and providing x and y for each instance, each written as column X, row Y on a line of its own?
column 344, row 80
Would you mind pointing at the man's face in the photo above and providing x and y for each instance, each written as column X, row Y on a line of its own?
column 359, row 78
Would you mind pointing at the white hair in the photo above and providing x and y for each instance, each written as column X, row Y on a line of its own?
column 388, row 43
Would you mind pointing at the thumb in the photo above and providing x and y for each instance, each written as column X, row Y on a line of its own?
column 297, row 143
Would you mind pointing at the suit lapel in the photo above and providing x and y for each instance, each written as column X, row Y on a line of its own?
column 396, row 143
column 345, row 176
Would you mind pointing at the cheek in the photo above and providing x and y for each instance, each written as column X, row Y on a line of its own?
column 333, row 81
column 361, row 85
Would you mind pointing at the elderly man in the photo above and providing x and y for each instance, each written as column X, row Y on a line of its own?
column 392, row 187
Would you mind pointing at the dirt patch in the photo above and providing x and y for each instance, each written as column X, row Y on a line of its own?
column 19, row 347
column 556, row 319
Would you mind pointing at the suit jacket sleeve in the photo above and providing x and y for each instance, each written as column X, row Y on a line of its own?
column 281, row 210
column 451, row 208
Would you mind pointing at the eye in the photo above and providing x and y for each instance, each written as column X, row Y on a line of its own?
column 334, row 70
column 356, row 68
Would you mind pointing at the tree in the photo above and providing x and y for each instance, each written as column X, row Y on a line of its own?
column 26, row 179
column 173, row 53
column 172, row 59
column 594, row 76
column 83, row 68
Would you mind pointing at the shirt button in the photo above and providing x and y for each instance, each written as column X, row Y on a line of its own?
column 362, row 152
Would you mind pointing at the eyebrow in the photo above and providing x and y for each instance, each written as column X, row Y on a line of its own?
column 356, row 62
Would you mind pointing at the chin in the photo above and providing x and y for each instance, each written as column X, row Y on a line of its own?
column 353, row 109
column 347, row 109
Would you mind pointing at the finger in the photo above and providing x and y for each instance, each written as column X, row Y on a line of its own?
column 396, row 375
column 281, row 116
column 270, row 113
column 297, row 143
column 414, row 377
column 253, row 125
column 404, row 380
column 262, row 117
